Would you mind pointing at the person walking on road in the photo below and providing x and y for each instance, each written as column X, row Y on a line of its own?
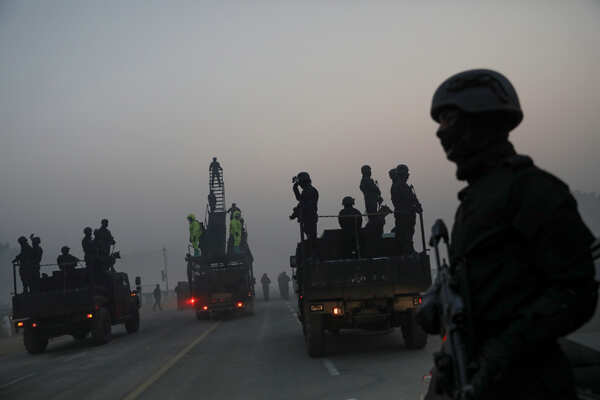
column 265, row 284
column 284, row 289
column 157, row 297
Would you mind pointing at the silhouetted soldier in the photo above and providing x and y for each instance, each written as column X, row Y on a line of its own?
column 104, row 239
column 88, row 246
column 371, row 192
column 519, row 252
column 306, row 210
column 265, row 281
column 25, row 261
column 66, row 262
column 216, row 171
column 406, row 207
column 38, row 253
column 212, row 201
column 157, row 298
column 284, row 289
column 350, row 220
column 232, row 210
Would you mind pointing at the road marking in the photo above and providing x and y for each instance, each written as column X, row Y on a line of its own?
column 158, row 374
column 333, row 371
column 16, row 380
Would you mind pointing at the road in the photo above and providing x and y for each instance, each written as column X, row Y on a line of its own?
column 175, row 356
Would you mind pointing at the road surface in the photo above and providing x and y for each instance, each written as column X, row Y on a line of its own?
column 175, row 356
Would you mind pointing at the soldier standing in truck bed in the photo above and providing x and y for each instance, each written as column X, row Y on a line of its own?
column 25, row 261
column 406, row 207
column 372, row 194
column 520, row 252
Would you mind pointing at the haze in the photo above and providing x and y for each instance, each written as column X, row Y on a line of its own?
column 115, row 109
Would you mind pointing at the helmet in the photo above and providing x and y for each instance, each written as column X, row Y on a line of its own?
column 402, row 169
column 303, row 177
column 478, row 91
column 64, row 249
column 22, row 240
column 87, row 230
column 104, row 222
column 36, row 240
column 347, row 201
column 365, row 168
column 191, row 217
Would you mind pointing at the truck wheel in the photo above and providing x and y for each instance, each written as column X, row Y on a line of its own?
column 132, row 325
column 101, row 326
column 414, row 336
column 35, row 341
column 315, row 336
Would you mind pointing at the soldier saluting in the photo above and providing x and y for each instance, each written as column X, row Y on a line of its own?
column 519, row 251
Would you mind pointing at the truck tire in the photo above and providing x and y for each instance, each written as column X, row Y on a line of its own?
column 101, row 326
column 34, row 340
column 132, row 325
column 315, row 336
column 414, row 336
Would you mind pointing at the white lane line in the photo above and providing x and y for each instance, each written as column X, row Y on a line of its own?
column 333, row 371
column 16, row 380
column 156, row 376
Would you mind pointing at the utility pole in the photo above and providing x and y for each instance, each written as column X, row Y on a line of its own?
column 164, row 251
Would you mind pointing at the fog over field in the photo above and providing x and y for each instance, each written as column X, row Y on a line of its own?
column 115, row 109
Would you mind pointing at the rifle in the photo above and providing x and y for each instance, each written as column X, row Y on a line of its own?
column 453, row 316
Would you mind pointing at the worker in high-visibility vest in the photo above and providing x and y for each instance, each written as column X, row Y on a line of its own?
column 235, row 231
column 195, row 233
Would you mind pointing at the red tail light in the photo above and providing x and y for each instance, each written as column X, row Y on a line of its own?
column 20, row 324
column 205, row 308
column 192, row 301
column 34, row 325
column 239, row 304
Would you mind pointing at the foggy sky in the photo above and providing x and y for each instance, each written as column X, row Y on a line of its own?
column 114, row 109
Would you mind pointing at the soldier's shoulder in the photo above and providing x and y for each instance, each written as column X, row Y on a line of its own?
column 529, row 176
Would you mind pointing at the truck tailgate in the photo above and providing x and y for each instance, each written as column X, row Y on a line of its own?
column 52, row 304
column 383, row 277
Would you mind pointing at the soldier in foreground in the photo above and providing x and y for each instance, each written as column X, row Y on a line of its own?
column 350, row 220
column 519, row 253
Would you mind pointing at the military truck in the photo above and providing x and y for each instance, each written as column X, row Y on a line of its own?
column 221, row 278
column 75, row 303
column 378, row 288
column 221, row 286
